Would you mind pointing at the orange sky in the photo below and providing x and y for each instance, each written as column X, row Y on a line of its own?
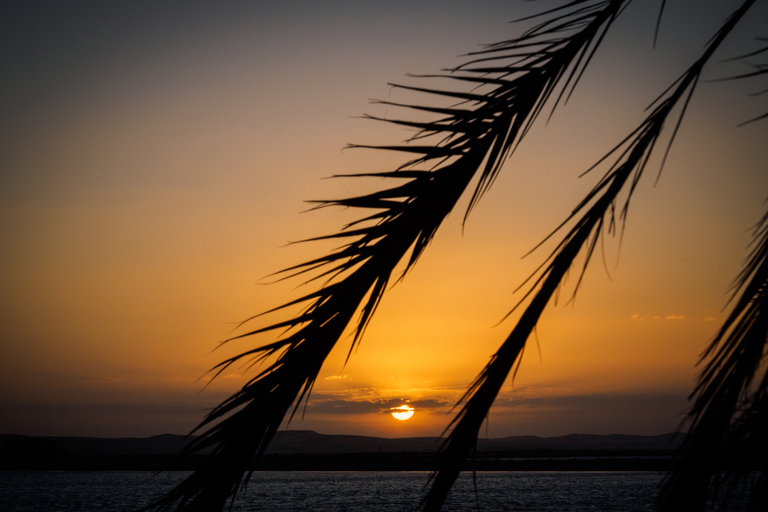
column 155, row 164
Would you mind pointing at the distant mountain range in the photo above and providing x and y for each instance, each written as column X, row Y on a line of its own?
column 310, row 442
column 305, row 449
column 307, row 441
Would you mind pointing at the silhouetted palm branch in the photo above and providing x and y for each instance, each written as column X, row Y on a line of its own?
column 725, row 449
column 728, row 416
column 513, row 81
column 594, row 214
column 758, row 70
column 476, row 135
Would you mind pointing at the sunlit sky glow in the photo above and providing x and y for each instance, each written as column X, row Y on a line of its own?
column 155, row 160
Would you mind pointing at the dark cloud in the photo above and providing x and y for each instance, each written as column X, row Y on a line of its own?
column 106, row 420
column 596, row 401
column 594, row 414
column 322, row 405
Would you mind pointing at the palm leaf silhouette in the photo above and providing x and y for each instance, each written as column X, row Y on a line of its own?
column 469, row 139
column 728, row 417
column 597, row 212
column 474, row 136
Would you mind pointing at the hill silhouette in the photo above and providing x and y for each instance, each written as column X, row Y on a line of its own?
column 309, row 450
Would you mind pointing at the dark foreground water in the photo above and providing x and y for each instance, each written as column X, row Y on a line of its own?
column 113, row 491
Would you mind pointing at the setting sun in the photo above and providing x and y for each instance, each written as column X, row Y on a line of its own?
column 402, row 412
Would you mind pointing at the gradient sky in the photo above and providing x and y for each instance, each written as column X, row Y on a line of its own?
column 155, row 159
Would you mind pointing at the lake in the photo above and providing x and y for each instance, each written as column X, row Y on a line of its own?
column 119, row 491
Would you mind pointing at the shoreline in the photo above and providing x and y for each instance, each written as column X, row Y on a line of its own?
column 391, row 461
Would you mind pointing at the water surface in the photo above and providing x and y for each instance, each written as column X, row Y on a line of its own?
column 123, row 491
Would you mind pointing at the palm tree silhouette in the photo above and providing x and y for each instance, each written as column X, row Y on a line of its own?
column 511, row 82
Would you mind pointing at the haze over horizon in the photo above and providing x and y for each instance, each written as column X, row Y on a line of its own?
column 157, row 160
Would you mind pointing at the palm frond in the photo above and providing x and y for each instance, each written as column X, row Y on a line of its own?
column 728, row 416
column 745, row 466
column 474, row 137
column 758, row 70
column 594, row 214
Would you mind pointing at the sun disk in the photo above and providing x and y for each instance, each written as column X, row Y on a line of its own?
column 402, row 412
